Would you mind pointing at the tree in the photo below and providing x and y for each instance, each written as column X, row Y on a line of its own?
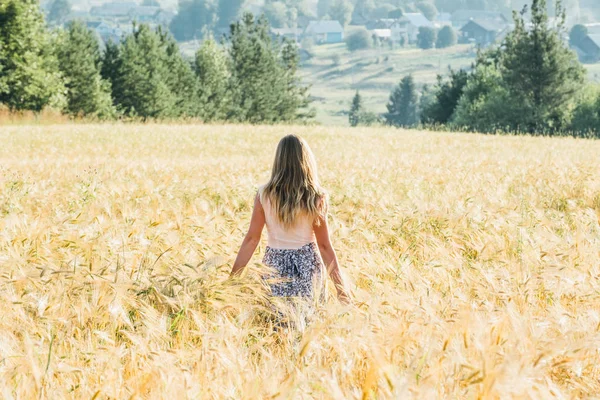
column 356, row 110
column 360, row 39
column 402, row 107
column 194, row 18
column 577, row 34
column 229, row 11
column 540, row 72
column 383, row 11
column 428, row 10
column 426, row 37
column 396, row 13
column 586, row 115
column 446, row 38
column 341, row 11
column 59, row 11
column 447, row 95
column 211, row 66
column 79, row 56
column 323, row 8
column 363, row 12
column 29, row 75
column 276, row 13
column 264, row 85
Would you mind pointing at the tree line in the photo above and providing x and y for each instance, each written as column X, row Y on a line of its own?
column 247, row 78
column 531, row 83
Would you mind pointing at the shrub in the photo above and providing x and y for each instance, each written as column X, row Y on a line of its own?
column 446, row 38
column 426, row 37
column 359, row 40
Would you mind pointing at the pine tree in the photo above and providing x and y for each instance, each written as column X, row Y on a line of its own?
column 59, row 11
column 110, row 69
column 540, row 72
column 264, row 85
column 403, row 104
column 29, row 78
column 211, row 66
column 356, row 110
column 79, row 56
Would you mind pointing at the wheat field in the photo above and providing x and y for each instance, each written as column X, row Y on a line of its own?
column 473, row 263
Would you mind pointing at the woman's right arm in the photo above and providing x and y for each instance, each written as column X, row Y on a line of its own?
column 330, row 258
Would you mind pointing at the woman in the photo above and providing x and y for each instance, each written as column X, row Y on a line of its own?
column 294, row 207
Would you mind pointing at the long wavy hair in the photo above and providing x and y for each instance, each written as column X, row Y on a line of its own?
column 294, row 188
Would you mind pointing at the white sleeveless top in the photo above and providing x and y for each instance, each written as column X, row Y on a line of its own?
column 280, row 237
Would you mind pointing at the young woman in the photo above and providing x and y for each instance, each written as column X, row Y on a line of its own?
column 294, row 207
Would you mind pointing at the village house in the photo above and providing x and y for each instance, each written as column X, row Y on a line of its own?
column 383, row 23
column 482, row 32
column 410, row 22
column 383, row 35
column 588, row 49
column 461, row 17
column 322, row 32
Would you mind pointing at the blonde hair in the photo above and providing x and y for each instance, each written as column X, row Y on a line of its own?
column 294, row 187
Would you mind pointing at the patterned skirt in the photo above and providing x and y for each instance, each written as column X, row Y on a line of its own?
column 296, row 272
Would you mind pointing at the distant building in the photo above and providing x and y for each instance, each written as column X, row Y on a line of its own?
column 383, row 23
column 383, row 35
column 413, row 22
column 289, row 33
column 588, row 49
column 481, row 31
column 461, row 17
column 325, row 32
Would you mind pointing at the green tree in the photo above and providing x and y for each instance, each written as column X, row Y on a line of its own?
column 363, row 12
column 360, row 39
column 59, row 11
column 264, row 85
column 80, row 59
column 341, row 11
column 403, row 105
column 426, row 37
column 446, row 38
column 356, row 110
column 427, row 9
column 383, row 11
column 29, row 75
column 577, row 34
column 540, row 72
column 212, row 69
column 277, row 14
column 447, row 95
column 229, row 11
column 194, row 18
column 397, row 13
column 586, row 115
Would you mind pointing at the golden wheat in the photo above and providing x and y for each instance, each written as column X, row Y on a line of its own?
column 473, row 261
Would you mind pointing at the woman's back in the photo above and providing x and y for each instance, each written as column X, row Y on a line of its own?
column 282, row 237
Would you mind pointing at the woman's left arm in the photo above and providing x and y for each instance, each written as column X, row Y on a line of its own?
column 252, row 238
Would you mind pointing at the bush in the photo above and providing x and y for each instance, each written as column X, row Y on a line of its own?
column 586, row 115
column 446, row 38
column 426, row 37
column 359, row 40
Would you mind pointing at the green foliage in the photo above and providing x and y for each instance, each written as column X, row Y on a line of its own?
column 447, row 95
column 383, row 11
column 397, row 13
column 358, row 115
column 29, row 75
column 341, row 11
column 363, row 12
column 264, row 84
column 360, row 39
column 212, row 69
column 59, row 11
column 446, row 38
column 540, row 72
column 427, row 9
column 194, row 19
column 577, row 34
column 403, row 105
column 276, row 13
column 79, row 59
column 586, row 115
column 229, row 11
column 426, row 37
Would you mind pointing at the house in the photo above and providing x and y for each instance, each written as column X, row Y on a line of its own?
column 413, row 22
column 481, row 31
column 325, row 32
column 383, row 35
column 589, row 48
column 144, row 13
column 383, row 23
column 399, row 31
column 113, row 10
column 461, row 17
column 289, row 33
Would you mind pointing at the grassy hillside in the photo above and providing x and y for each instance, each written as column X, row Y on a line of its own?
column 473, row 261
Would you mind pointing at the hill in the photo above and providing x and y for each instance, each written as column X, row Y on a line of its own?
column 473, row 261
